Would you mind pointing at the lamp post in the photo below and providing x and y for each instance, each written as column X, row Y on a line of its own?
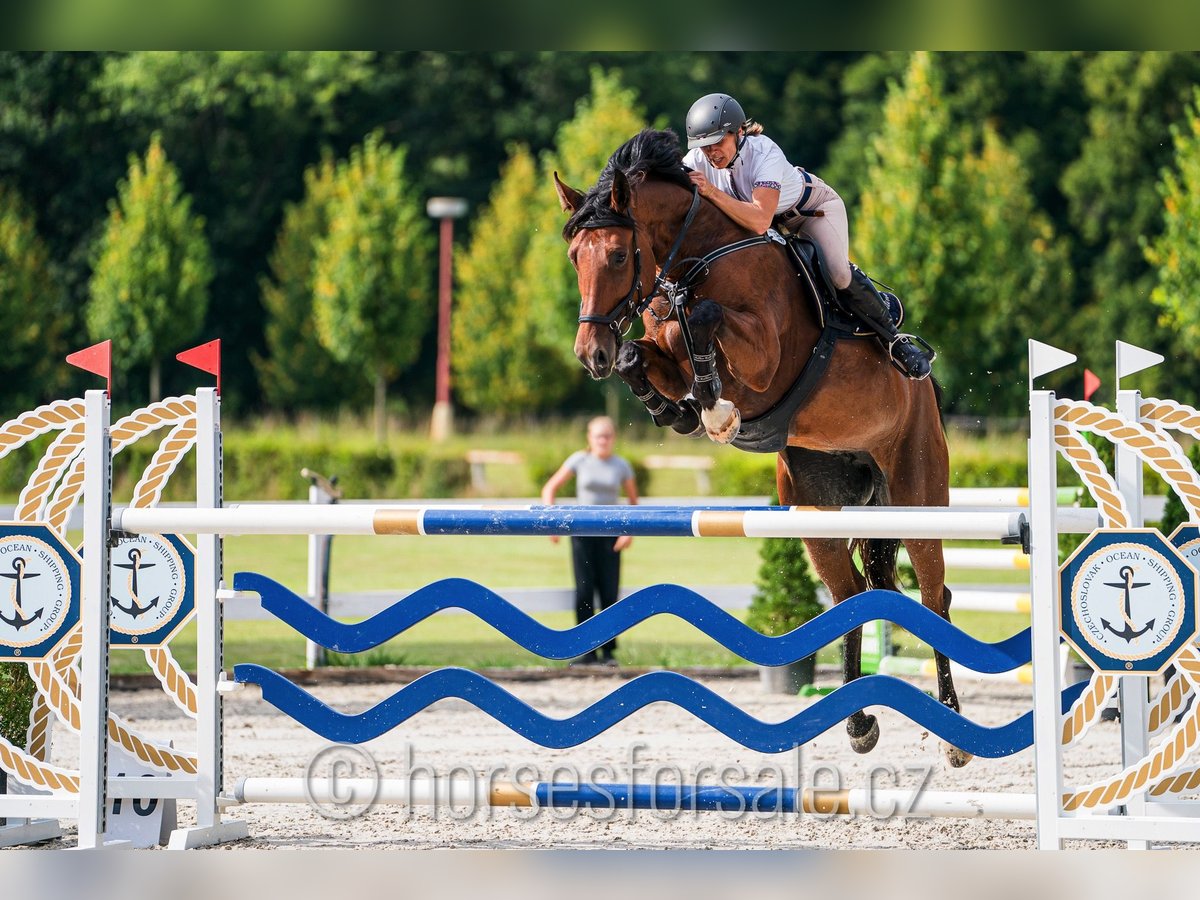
column 447, row 209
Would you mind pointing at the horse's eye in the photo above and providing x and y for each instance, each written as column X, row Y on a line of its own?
column 619, row 257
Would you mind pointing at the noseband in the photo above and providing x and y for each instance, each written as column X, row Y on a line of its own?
column 634, row 303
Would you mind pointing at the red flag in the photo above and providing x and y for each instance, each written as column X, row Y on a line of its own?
column 1091, row 383
column 96, row 359
column 206, row 358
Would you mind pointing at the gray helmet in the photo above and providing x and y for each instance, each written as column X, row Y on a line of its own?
column 711, row 118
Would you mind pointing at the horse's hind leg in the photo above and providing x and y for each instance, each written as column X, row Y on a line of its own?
column 919, row 476
column 631, row 368
column 929, row 565
column 721, row 418
column 824, row 479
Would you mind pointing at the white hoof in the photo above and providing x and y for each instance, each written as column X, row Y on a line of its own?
column 722, row 421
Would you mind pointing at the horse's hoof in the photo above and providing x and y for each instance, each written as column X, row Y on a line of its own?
column 729, row 421
column 866, row 741
column 955, row 757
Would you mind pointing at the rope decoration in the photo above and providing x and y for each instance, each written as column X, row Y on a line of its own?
column 1159, row 765
column 34, row 772
column 1091, row 469
column 1086, row 462
column 133, row 426
column 57, row 679
column 1085, row 712
column 1161, row 454
column 1164, row 707
column 57, row 457
column 1171, row 414
column 18, row 432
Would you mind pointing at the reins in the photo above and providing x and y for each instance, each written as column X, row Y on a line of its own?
column 677, row 294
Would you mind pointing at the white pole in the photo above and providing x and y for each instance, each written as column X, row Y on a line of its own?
column 1047, row 687
column 94, row 622
column 1133, row 690
column 209, row 828
column 314, row 654
column 847, row 522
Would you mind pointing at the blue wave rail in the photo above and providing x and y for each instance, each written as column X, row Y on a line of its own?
column 655, row 687
column 670, row 687
column 662, row 599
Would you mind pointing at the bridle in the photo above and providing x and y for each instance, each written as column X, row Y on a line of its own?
column 677, row 294
column 634, row 303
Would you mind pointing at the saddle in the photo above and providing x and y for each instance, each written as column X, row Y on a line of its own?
column 809, row 260
column 768, row 432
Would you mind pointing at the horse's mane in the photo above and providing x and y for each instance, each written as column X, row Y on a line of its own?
column 648, row 154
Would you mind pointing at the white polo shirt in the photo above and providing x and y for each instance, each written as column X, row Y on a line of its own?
column 760, row 164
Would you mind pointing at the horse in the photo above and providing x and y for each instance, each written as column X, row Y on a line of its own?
column 728, row 333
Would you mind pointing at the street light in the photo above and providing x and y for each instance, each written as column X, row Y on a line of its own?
column 447, row 209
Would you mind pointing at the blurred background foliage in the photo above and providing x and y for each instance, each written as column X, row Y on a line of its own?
column 1005, row 194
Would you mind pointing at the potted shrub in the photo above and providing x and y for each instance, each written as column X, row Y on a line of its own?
column 785, row 597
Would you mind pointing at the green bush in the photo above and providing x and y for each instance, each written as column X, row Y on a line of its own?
column 1174, row 514
column 737, row 474
column 16, row 702
column 785, row 594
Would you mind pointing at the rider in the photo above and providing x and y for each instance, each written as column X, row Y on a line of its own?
column 745, row 174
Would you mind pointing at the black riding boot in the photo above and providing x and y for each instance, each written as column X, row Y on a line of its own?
column 863, row 301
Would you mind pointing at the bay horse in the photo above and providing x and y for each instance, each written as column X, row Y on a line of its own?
column 746, row 323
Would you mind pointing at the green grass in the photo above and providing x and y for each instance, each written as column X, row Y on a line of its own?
column 383, row 563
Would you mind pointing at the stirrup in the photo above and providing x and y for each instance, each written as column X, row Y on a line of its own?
column 921, row 345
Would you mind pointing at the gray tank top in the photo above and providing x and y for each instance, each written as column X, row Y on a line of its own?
column 598, row 481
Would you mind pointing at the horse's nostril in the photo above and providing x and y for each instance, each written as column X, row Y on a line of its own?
column 601, row 360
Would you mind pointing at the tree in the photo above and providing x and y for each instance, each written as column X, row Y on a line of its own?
column 1174, row 253
column 1114, row 204
column 31, row 308
column 947, row 219
column 297, row 372
column 149, row 286
column 603, row 121
column 499, row 363
column 371, row 277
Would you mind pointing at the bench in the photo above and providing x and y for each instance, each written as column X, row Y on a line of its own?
column 701, row 465
column 478, row 459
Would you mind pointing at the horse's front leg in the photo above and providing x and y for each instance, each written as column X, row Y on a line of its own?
column 635, row 359
column 721, row 418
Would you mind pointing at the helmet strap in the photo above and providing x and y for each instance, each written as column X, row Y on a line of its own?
column 737, row 150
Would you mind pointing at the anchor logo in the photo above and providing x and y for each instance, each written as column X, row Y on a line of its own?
column 135, row 563
column 1130, row 630
column 19, row 620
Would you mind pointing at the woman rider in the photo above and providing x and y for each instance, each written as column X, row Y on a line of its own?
column 745, row 174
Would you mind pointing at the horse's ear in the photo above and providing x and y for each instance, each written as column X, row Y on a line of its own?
column 570, row 198
column 622, row 196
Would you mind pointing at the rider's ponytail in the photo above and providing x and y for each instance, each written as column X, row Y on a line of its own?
column 752, row 127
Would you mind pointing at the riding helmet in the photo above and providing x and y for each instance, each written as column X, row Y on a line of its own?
column 711, row 118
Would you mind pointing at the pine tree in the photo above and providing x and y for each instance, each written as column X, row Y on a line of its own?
column 499, row 363
column 151, row 268
column 1174, row 253
column 297, row 371
column 372, row 277
column 947, row 219
column 31, row 309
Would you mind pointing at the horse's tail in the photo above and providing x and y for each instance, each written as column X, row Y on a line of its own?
column 937, row 401
column 878, row 555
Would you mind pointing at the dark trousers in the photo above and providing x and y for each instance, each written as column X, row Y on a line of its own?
column 597, row 580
